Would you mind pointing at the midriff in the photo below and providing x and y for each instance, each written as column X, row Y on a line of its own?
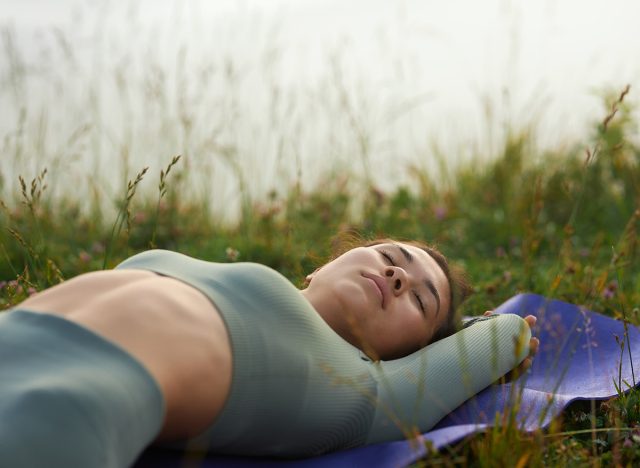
column 171, row 328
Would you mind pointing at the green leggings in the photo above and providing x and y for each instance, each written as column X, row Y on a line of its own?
column 69, row 398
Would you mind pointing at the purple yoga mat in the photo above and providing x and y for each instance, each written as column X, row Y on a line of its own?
column 579, row 358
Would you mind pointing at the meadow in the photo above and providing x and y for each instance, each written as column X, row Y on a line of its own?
column 562, row 223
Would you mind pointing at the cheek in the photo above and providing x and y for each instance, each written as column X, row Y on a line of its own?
column 409, row 326
column 422, row 333
column 349, row 297
column 418, row 328
column 408, row 313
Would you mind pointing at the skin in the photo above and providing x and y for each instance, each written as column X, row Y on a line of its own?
column 534, row 344
column 143, row 312
column 377, row 298
column 171, row 328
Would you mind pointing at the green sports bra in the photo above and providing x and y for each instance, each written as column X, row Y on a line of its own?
column 299, row 389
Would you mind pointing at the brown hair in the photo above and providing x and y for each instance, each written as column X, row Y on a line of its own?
column 459, row 286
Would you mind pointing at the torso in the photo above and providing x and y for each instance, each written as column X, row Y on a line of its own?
column 287, row 362
column 169, row 326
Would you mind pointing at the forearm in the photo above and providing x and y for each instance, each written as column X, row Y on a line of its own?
column 417, row 391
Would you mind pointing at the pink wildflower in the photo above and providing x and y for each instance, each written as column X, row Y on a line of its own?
column 610, row 290
column 440, row 212
column 139, row 217
column 15, row 286
column 84, row 257
column 97, row 247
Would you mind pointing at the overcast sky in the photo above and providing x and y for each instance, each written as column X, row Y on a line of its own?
column 544, row 60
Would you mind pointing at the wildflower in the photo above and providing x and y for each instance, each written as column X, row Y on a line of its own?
column 589, row 331
column 97, row 247
column 84, row 256
column 15, row 287
column 232, row 254
column 610, row 290
column 500, row 252
column 2, row 285
column 31, row 291
column 139, row 217
column 627, row 443
column 440, row 212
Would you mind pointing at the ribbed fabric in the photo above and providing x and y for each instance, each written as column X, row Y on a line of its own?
column 298, row 389
column 287, row 393
column 420, row 389
column 69, row 398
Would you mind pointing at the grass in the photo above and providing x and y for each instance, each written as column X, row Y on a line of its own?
column 565, row 226
column 563, row 223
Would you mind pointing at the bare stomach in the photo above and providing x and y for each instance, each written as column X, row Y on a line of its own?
column 170, row 327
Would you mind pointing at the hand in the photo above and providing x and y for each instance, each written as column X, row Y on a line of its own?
column 534, row 344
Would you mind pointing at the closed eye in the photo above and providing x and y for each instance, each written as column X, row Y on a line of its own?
column 420, row 303
column 388, row 257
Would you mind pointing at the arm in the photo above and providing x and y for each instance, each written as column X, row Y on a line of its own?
column 419, row 390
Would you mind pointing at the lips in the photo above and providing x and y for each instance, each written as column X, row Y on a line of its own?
column 380, row 284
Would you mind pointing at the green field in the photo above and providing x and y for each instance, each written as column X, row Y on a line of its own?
column 563, row 224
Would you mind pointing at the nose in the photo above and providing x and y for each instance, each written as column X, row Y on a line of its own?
column 397, row 279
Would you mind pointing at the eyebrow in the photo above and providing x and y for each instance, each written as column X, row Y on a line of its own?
column 428, row 283
column 407, row 255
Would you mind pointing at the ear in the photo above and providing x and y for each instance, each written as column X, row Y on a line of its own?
column 309, row 277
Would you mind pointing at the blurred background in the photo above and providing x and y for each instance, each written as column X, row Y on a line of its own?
column 278, row 131
column 261, row 95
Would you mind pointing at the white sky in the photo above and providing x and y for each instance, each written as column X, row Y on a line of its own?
column 542, row 61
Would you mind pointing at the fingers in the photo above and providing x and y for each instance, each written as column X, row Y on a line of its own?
column 527, row 362
column 534, row 344
column 531, row 320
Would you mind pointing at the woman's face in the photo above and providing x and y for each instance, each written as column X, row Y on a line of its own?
column 387, row 299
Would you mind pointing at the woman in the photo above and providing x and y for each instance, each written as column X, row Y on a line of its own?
column 168, row 348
